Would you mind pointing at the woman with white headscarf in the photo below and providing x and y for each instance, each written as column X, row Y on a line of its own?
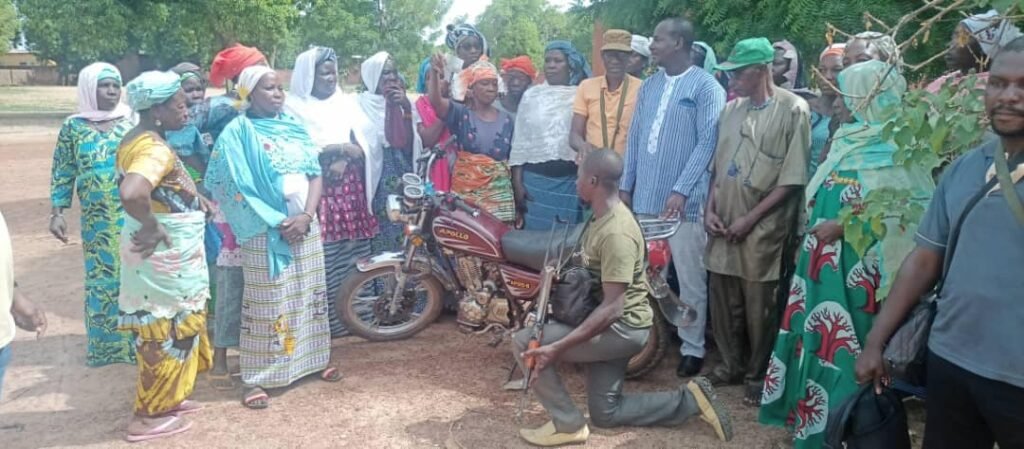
column 383, row 124
column 346, row 221
column 265, row 175
column 975, row 41
column 83, row 162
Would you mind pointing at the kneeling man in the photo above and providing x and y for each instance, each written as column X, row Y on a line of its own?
column 613, row 250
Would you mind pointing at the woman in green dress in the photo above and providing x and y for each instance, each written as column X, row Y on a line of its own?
column 83, row 162
column 837, row 290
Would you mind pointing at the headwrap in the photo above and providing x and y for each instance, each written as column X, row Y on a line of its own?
column 520, row 63
column 710, row 59
column 366, row 115
column 991, row 31
column 579, row 69
column 88, row 79
column 248, row 80
column 421, row 79
column 152, row 88
column 642, row 45
column 230, row 62
column 479, row 71
column 456, row 33
column 188, row 70
column 304, row 72
column 792, row 74
column 871, row 88
column 887, row 48
column 833, row 50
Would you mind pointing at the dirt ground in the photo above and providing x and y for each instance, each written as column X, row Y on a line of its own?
column 439, row 389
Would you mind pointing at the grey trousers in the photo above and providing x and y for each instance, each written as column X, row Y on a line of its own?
column 605, row 357
column 688, row 246
column 227, row 317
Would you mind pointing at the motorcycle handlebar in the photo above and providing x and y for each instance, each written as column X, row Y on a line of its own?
column 454, row 202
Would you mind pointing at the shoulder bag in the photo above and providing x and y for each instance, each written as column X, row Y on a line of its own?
column 906, row 353
column 623, row 91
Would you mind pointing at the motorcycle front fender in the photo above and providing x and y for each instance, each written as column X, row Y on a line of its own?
column 421, row 266
column 385, row 259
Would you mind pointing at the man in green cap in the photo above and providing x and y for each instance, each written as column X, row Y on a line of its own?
column 758, row 174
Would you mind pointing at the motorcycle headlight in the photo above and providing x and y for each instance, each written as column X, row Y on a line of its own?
column 394, row 208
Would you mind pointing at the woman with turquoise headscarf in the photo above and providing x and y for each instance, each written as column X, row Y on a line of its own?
column 164, row 282
column 265, row 174
column 837, row 291
column 703, row 56
column 83, row 163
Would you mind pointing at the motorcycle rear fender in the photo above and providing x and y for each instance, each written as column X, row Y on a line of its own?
column 421, row 265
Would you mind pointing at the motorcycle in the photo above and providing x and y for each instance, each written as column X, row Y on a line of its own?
column 493, row 271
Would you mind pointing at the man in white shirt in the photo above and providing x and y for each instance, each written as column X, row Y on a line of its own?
column 14, row 309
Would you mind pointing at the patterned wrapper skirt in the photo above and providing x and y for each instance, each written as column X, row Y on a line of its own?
column 553, row 195
column 285, row 332
column 171, row 353
column 340, row 259
column 485, row 182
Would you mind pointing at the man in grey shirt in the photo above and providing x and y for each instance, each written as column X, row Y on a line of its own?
column 976, row 361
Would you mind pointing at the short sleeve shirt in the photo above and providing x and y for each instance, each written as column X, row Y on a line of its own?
column 978, row 324
column 613, row 251
column 173, row 188
column 588, row 104
column 491, row 139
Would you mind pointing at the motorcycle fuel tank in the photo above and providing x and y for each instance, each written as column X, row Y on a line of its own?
column 460, row 231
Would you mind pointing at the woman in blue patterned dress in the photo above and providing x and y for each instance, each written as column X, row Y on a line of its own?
column 83, row 161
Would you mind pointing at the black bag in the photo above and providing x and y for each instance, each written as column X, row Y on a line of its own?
column 867, row 420
column 906, row 354
column 572, row 299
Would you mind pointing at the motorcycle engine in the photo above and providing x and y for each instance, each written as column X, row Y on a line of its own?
column 482, row 304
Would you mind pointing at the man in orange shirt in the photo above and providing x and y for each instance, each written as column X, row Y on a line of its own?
column 601, row 113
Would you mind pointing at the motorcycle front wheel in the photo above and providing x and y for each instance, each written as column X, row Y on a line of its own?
column 364, row 304
column 653, row 351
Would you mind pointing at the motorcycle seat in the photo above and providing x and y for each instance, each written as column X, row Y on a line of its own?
column 527, row 248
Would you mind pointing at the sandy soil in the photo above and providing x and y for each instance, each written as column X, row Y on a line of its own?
column 439, row 389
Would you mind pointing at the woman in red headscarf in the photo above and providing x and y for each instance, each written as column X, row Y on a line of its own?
column 210, row 117
column 518, row 74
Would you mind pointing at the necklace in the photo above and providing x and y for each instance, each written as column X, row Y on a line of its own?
column 767, row 103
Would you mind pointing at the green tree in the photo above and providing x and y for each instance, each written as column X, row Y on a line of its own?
column 524, row 27
column 401, row 25
column 73, row 34
column 804, row 22
column 8, row 24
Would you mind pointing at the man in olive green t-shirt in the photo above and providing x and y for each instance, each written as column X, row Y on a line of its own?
column 613, row 249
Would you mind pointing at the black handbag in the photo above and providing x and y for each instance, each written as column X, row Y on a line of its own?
column 572, row 299
column 867, row 420
column 906, row 354
column 577, row 292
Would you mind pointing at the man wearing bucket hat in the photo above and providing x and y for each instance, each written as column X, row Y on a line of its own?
column 603, row 108
column 759, row 170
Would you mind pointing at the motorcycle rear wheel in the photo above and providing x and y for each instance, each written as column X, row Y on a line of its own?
column 365, row 322
column 653, row 351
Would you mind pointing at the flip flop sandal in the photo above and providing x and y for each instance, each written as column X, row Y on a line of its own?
column 187, row 407
column 254, row 395
column 163, row 430
column 221, row 382
column 331, row 374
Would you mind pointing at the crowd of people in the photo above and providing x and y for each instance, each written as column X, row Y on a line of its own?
column 264, row 198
